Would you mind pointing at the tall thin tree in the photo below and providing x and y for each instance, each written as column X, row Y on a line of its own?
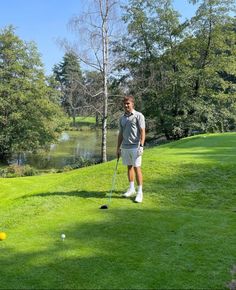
column 95, row 29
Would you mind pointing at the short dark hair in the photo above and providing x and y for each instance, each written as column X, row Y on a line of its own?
column 128, row 98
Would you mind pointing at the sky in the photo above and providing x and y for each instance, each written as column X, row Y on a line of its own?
column 46, row 21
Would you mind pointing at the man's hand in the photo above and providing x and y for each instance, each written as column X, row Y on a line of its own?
column 140, row 151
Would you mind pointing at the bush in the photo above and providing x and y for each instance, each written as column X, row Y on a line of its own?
column 15, row 170
column 29, row 171
column 18, row 171
column 79, row 163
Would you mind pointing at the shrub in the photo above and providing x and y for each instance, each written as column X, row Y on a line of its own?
column 15, row 170
column 29, row 171
column 79, row 163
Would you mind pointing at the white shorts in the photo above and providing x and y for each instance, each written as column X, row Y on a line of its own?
column 130, row 157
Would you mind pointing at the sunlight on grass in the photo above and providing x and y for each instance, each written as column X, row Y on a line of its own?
column 182, row 236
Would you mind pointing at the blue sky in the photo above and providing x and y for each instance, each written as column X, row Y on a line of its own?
column 45, row 21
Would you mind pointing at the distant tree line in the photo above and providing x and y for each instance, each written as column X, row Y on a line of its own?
column 182, row 73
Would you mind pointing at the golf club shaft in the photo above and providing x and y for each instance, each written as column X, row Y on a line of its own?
column 113, row 180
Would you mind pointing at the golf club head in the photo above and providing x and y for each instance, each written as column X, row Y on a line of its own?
column 104, row 206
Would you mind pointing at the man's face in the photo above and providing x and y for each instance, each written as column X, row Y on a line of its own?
column 128, row 106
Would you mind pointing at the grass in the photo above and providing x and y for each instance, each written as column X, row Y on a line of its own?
column 86, row 120
column 84, row 123
column 181, row 237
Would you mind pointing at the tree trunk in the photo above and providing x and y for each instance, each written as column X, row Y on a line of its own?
column 73, row 117
column 97, row 119
column 4, row 158
column 105, row 89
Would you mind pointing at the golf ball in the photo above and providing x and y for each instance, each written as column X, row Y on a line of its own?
column 63, row 236
column 3, row 236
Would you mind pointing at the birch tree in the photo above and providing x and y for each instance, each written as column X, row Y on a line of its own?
column 94, row 30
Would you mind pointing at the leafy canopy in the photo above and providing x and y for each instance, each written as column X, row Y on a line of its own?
column 29, row 119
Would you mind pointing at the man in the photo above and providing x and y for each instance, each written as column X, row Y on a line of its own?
column 130, row 145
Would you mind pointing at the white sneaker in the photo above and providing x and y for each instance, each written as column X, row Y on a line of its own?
column 129, row 192
column 139, row 197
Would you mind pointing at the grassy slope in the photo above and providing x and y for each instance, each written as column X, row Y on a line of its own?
column 182, row 236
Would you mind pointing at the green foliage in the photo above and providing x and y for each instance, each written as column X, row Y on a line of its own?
column 29, row 120
column 69, row 75
column 68, row 70
column 79, row 163
column 18, row 171
column 182, row 73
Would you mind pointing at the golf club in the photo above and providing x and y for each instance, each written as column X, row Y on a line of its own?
column 105, row 206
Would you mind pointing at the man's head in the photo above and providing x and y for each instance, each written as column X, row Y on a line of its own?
column 128, row 102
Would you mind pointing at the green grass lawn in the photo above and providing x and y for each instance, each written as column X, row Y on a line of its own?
column 181, row 237
column 84, row 121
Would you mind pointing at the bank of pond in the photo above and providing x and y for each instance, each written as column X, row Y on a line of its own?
column 74, row 149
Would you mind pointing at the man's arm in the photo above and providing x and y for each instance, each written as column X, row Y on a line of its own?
column 142, row 136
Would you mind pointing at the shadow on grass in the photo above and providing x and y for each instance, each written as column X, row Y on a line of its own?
column 127, row 249
column 77, row 193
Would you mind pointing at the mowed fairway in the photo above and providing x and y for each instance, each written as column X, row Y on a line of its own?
column 182, row 236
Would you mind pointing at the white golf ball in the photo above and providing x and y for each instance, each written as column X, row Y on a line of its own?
column 63, row 236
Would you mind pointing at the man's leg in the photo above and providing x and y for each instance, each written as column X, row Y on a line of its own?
column 139, row 178
column 131, row 176
column 130, row 173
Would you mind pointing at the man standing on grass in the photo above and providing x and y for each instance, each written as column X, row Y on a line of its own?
column 130, row 145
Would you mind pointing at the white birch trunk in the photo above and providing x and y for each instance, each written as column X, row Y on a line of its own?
column 105, row 74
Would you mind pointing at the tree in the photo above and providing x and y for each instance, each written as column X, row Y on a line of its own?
column 93, row 81
column 180, row 70
column 69, row 75
column 94, row 99
column 153, row 62
column 95, row 30
column 212, row 57
column 29, row 120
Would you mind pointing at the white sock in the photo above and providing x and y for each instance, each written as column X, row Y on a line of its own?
column 131, row 185
column 140, row 188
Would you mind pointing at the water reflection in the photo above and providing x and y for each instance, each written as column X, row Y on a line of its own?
column 71, row 146
column 64, row 137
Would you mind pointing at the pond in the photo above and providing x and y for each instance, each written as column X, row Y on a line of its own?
column 71, row 146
